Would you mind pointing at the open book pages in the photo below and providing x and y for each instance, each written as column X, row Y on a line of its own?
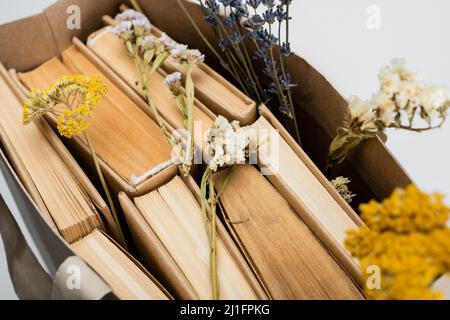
column 276, row 156
column 61, row 199
column 176, row 218
column 123, row 135
column 289, row 259
column 126, row 279
column 113, row 52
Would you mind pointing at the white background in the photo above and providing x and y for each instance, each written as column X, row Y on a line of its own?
column 333, row 36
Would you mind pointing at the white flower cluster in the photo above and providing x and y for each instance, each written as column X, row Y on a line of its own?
column 172, row 78
column 131, row 21
column 341, row 185
column 132, row 15
column 173, row 81
column 187, row 56
column 134, row 25
column 362, row 114
column 228, row 146
column 401, row 97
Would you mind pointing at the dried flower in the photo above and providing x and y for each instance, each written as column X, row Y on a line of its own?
column 226, row 145
column 132, row 26
column 341, row 186
column 147, row 50
column 187, row 56
column 401, row 98
column 173, row 81
column 72, row 99
column 408, row 239
column 131, row 15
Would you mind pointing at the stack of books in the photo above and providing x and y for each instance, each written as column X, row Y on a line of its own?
column 280, row 235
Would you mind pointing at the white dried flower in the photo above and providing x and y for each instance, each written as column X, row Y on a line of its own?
column 142, row 25
column 385, row 108
column 122, row 27
column 362, row 114
column 433, row 100
column 150, row 42
column 187, row 56
column 396, row 80
column 173, row 77
column 172, row 44
column 130, row 15
column 173, row 81
column 341, row 186
column 227, row 146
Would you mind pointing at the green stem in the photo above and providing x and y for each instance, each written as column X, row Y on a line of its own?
column 200, row 33
column 190, row 93
column 136, row 6
column 106, row 189
column 239, row 54
column 238, row 77
column 252, row 69
column 283, row 70
column 213, row 253
column 203, row 194
column 419, row 129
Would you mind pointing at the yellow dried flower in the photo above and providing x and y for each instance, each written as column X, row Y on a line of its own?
column 71, row 98
column 408, row 239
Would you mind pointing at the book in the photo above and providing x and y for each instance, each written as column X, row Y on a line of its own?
column 111, row 50
column 174, row 216
column 291, row 262
column 124, row 136
column 65, row 204
column 290, row 175
column 128, row 280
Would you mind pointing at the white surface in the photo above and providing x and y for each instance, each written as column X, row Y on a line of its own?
column 333, row 36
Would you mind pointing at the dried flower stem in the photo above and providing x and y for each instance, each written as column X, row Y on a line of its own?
column 283, row 61
column 211, row 221
column 205, row 40
column 210, row 224
column 105, row 189
column 143, row 81
column 136, row 6
column 190, row 93
column 241, row 57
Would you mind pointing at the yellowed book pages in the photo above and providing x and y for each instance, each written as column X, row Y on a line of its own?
column 285, row 163
column 113, row 52
column 58, row 194
column 123, row 136
column 175, row 216
column 125, row 278
column 292, row 263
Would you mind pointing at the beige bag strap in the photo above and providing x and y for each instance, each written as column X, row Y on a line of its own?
column 73, row 279
column 22, row 263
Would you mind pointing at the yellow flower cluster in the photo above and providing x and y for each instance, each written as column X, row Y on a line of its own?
column 71, row 98
column 408, row 239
